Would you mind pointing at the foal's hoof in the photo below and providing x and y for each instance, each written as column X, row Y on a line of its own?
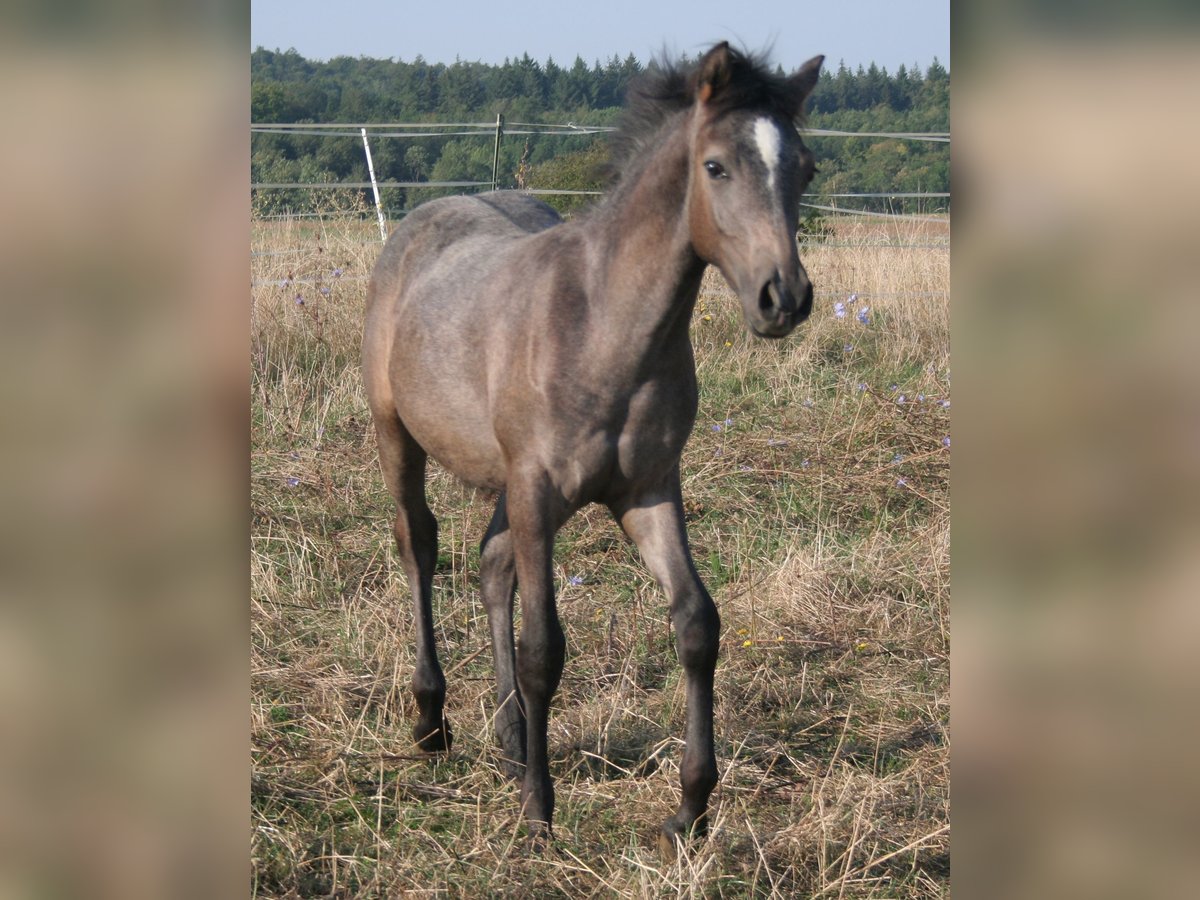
column 669, row 843
column 541, row 840
column 433, row 738
column 674, row 837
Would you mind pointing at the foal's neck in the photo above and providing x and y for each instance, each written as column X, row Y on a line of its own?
column 648, row 274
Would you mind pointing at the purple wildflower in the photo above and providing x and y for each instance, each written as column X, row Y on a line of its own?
column 325, row 291
column 293, row 482
column 945, row 404
column 862, row 316
column 804, row 463
column 716, row 428
column 728, row 422
column 839, row 310
column 575, row 580
column 337, row 273
column 920, row 398
column 853, row 298
column 946, row 441
column 899, row 457
column 901, row 482
column 846, row 348
column 299, row 300
column 900, row 399
column 862, row 386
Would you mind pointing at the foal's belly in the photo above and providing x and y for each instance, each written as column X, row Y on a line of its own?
column 460, row 442
column 585, row 464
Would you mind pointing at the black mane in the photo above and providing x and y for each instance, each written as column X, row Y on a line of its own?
column 666, row 88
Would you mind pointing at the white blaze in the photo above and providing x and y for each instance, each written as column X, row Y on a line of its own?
column 766, row 135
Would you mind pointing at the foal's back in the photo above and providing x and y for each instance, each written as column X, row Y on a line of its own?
column 447, row 246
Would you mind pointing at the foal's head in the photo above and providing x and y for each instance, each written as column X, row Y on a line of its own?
column 748, row 168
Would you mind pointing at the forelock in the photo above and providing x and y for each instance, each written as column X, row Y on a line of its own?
column 667, row 88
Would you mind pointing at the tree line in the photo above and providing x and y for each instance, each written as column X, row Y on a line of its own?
column 287, row 88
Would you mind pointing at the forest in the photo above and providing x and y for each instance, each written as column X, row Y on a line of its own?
column 287, row 88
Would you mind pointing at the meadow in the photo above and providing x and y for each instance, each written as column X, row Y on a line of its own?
column 817, row 492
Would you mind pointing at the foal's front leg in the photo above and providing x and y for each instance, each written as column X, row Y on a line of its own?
column 655, row 522
column 534, row 516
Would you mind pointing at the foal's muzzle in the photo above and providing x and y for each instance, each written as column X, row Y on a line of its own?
column 782, row 306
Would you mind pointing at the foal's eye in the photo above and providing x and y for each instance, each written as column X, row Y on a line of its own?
column 715, row 169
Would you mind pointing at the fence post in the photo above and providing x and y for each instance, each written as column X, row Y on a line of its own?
column 375, row 188
column 496, row 152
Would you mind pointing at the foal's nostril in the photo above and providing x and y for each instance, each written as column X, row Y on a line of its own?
column 806, row 303
column 774, row 299
column 767, row 298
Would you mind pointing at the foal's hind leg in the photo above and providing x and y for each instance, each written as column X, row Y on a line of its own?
column 655, row 522
column 403, row 463
column 498, row 579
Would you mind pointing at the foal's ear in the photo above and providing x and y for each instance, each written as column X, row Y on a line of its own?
column 714, row 71
column 802, row 81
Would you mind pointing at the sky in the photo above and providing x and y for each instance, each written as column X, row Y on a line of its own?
column 887, row 32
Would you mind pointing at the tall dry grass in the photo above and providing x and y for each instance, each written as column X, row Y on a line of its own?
column 818, row 508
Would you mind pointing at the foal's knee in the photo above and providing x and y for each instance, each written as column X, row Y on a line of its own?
column 540, row 660
column 697, row 630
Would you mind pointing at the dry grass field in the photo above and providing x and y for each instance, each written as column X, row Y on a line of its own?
column 817, row 490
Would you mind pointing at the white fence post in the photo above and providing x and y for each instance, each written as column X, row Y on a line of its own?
column 496, row 152
column 375, row 188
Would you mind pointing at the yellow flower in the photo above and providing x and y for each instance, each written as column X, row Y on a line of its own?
column 729, row 343
column 747, row 643
column 743, row 631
